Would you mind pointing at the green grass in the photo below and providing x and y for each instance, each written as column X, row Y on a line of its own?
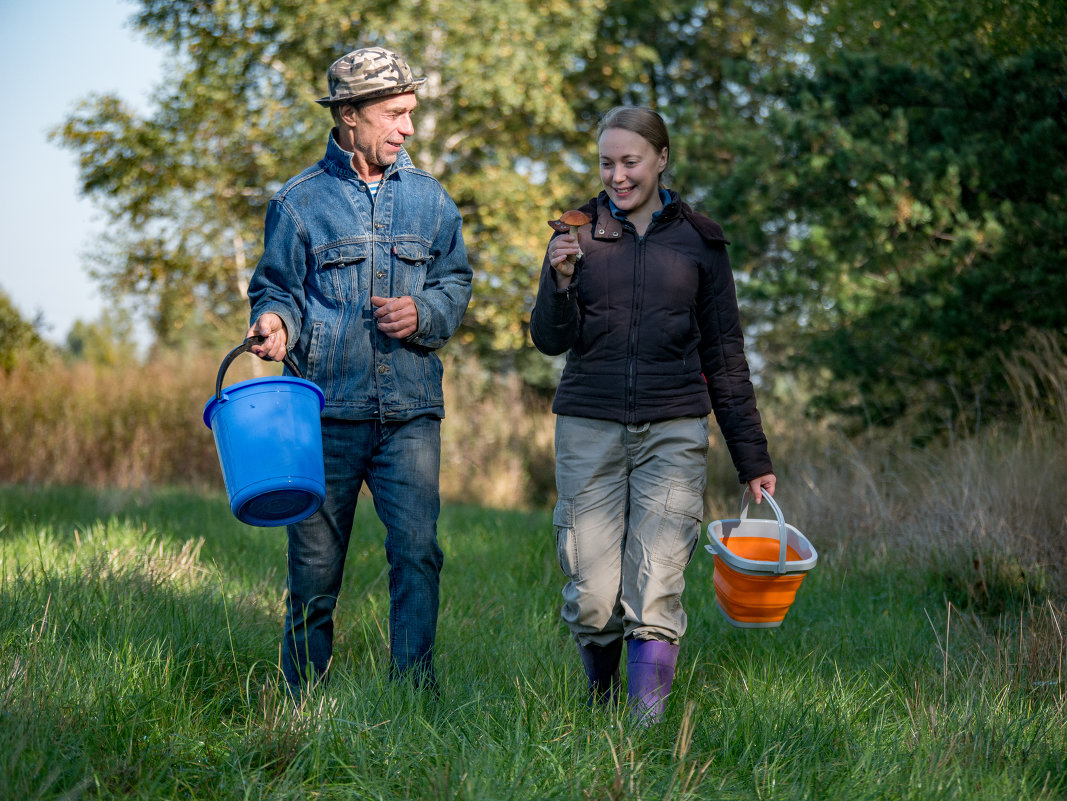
column 139, row 647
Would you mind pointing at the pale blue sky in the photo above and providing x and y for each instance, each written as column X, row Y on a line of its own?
column 52, row 55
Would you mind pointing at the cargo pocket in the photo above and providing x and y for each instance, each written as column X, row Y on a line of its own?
column 679, row 530
column 566, row 543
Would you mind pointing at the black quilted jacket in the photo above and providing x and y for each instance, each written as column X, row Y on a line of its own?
column 651, row 329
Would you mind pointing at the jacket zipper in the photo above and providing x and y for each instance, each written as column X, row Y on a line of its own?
column 635, row 316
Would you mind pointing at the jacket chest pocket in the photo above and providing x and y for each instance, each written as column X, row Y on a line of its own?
column 343, row 272
column 411, row 260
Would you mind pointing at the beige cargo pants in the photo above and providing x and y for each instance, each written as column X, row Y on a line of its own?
column 631, row 501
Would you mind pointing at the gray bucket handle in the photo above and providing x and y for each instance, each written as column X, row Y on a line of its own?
column 782, row 535
column 245, row 346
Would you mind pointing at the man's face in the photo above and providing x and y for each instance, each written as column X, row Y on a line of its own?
column 380, row 129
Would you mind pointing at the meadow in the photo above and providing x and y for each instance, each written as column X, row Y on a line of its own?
column 140, row 649
column 924, row 657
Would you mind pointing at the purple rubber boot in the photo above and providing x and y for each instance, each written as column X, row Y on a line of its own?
column 601, row 664
column 650, row 667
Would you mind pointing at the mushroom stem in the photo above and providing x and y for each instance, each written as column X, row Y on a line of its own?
column 574, row 233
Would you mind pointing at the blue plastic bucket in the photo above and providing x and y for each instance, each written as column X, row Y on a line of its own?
column 268, row 436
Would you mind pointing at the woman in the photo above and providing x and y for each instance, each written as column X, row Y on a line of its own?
column 642, row 301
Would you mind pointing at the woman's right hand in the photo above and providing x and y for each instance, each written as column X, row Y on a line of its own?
column 562, row 255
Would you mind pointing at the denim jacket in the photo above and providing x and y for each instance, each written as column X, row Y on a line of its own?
column 328, row 248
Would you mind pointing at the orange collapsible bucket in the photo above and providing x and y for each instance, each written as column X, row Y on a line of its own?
column 759, row 565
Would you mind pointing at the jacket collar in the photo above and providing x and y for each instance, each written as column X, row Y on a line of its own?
column 338, row 161
column 608, row 227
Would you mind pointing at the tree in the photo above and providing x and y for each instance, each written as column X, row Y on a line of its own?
column 900, row 207
column 107, row 342
column 188, row 187
column 20, row 339
column 888, row 172
column 953, row 241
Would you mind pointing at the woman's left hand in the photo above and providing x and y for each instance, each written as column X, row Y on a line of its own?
column 758, row 486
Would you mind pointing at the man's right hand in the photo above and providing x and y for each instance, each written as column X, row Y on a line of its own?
column 269, row 325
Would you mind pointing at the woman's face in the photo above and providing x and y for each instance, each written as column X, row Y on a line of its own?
column 630, row 168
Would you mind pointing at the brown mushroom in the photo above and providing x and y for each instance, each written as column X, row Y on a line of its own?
column 569, row 222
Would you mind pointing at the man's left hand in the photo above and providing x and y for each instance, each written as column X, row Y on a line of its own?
column 396, row 317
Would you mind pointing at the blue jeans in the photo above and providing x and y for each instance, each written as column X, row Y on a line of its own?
column 400, row 463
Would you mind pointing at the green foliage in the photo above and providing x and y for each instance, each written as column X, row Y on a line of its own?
column 890, row 174
column 915, row 32
column 504, row 121
column 188, row 186
column 108, row 342
column 896, row 205
column 20, row 340
column 914, row 249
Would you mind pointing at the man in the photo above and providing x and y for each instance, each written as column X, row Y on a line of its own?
column 364, row 275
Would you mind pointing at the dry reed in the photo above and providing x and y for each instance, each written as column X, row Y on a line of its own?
column 142, row 426
column 989, row 505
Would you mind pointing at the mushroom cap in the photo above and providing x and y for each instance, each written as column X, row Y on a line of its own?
column 569, row 218
column 574, row 217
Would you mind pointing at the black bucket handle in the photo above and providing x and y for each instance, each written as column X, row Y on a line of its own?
column 243, row 347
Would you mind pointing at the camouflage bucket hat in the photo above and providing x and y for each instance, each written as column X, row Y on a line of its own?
column 368, row 73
